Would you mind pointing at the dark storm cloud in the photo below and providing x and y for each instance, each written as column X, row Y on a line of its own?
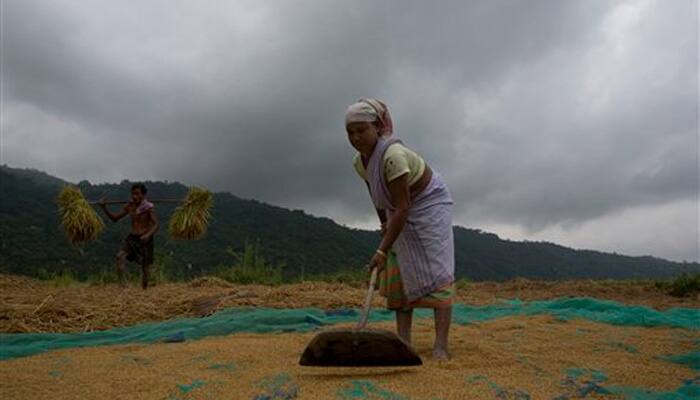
column 539, row 114
column 242, row 117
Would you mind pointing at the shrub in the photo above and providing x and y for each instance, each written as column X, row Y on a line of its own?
column 250, row 267
column 684, row 285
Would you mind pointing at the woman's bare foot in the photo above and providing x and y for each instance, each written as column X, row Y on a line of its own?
column 440, row 354
column 443, row 316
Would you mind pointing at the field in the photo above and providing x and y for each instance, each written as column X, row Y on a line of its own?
column 514, row 355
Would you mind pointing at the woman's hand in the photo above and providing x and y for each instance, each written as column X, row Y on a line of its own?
column 378, row 261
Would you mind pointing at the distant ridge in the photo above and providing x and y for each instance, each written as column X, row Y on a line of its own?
column 31, row 240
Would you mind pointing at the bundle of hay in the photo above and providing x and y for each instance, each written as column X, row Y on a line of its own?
column 190, row 220
column 79, row 220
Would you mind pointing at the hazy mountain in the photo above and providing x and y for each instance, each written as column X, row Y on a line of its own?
column 31, row 239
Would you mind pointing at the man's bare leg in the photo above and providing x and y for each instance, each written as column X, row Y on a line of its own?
column 404, row 320
column 121, row 269
column 443, row 317
column 145, row 275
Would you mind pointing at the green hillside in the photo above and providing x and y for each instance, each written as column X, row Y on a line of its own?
column 32, row 243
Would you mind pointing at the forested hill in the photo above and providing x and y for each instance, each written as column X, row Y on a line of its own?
column 31, row 240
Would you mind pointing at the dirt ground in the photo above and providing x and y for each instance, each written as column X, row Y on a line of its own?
column 29, row 305
column 510, row 358
column 517, row 357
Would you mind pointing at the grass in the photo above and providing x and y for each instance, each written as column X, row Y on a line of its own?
column 357, row 277
column 683, row 286
column 250, row 267
column 103, row 277
column 462, row 284
column 64, row 278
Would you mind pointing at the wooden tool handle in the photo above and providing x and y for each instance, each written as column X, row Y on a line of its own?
column 129, row 201
column 368, row 300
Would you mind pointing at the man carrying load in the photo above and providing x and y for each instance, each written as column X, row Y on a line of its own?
column 138, row 244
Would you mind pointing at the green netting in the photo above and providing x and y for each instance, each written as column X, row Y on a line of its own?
column 499, row 392
column 691, row 359
column 688, row 391
column 608, row 312
column 363, row 389
column 278, row 387
column 265, row 320
column 584, row 383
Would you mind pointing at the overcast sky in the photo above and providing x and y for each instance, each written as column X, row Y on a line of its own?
column 568, row 121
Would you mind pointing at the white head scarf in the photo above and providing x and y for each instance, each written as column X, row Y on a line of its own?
column 371, row 110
